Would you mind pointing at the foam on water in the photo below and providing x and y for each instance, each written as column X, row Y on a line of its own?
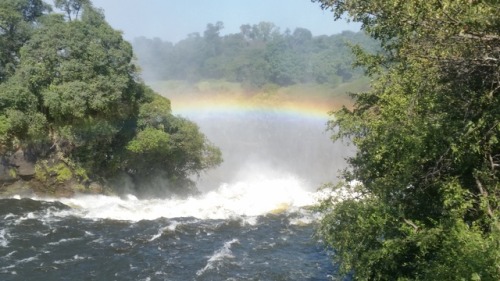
column 62, row 241
column 74, row 259
column 246, row 198
column 218, row 257
column 3, row 238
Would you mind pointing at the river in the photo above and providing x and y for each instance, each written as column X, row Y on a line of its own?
column 204, row 238
column 252, row 220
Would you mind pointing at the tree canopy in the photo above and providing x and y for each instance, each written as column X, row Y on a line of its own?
column 427, row 206
column 17, row 20
column 260, row 54
column 71, row 94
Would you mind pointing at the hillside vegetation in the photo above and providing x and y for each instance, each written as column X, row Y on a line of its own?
column 259, row 57
column 74, row 117
column 424, row 183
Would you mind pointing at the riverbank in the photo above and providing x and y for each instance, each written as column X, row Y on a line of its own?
column 53, row 177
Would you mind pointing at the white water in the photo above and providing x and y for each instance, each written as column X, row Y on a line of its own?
column 279, row 172
column 256, row 196
column 219, row 257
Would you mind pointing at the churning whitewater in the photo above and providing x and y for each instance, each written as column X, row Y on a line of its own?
column 247, row 230
column 239, row 200
column 251, row 220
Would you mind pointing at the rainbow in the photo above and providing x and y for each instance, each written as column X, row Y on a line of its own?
column 239, row 105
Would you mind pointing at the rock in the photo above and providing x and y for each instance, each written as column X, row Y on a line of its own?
column 25, row 168
column 16, row 188
column 8, row 173
column 54, row 177
column 96, row 188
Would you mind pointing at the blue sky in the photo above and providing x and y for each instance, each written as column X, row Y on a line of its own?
column 172, row 20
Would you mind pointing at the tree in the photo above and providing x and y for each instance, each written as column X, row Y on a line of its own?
column 168, row 146
column 79, row 75
column 302, row 36
column 72, row 8
column 427, row 206
column 17, row 18
column 265, row 31
column 75, row 101
column 258, row 55
column 212, row 38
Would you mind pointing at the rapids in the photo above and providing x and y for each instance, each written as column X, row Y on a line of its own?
column 233, row 233
column 239, row 200
column 251, row 220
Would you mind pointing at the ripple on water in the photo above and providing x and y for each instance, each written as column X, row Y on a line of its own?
column 220, row 258
column 268, row 247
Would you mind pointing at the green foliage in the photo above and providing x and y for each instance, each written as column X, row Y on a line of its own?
column 150, row 141
column 154, row 113
column 427, row 145
column 260, row 54
column 71, row 7
column 40, row 173
column 17, row 18
column 37, row 129
column 63, row 173
column 82, row 70
column 170, row 146
column 59, row 172
column 69, row 96
column 4, row 128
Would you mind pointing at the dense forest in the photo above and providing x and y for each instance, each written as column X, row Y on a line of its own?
column 258, row 55
column 424, row 198
column 74, row 116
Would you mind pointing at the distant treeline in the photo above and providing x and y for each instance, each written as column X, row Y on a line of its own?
column 259, row 54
